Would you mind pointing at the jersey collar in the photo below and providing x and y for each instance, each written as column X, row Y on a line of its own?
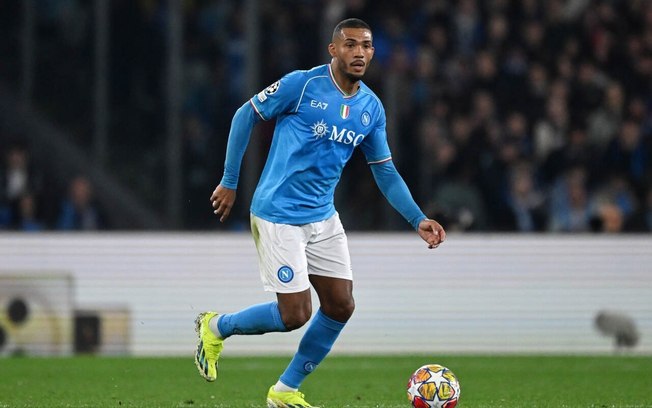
column 344, row 94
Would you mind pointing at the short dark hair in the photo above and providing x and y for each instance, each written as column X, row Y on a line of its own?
column 350, row 23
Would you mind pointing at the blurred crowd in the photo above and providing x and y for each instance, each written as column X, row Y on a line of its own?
column 524, row 115
column 25, row 199
column 507, row 115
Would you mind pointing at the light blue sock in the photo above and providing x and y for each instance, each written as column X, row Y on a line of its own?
column 256, row 319
column 314, row 346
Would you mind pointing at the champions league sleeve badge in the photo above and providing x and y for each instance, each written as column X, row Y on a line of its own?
column 270, row 90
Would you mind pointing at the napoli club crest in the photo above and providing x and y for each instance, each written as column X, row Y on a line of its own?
column 365, row 118
column 285, row 274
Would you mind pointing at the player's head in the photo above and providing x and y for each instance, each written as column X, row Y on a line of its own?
column 352, row 47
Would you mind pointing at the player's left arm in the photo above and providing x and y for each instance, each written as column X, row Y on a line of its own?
column 393, row 187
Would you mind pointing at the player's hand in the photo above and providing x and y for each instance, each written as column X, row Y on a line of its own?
column 222, row 201
column 431, row 232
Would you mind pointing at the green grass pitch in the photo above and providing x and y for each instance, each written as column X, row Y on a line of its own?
column 340, row 381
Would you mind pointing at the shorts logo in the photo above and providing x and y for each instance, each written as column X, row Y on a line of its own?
column 365, row 118
column 309, row 366
column 285, row 274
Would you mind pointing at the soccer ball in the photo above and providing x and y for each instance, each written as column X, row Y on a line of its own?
column 433, row 386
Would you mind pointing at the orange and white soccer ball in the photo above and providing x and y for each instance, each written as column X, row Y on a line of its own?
column 433, row 386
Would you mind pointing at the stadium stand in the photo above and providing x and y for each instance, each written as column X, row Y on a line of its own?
column 525, row 116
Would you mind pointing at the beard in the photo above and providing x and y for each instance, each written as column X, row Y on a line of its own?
column 353, row 77
column 349, row 75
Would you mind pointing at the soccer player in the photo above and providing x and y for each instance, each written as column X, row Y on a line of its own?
column 322, row 115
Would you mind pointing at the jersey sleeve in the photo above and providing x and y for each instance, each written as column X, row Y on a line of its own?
column 393, row 187
column 280, row 97
column 375, row 146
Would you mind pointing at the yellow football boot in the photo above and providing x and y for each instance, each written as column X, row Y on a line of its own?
column 294, row 399
column 209, row 347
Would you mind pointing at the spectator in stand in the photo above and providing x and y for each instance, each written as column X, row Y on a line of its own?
column 588, row 87
column 517, row 132
column 438, row 153
column 605, row 121
column 494, row 181
column 27, row 220
column 497, row 33
column 486, row 72
column 576, row 152
column 424, row 88
column 467, row 23
column 534, row 98
column 550, row 132
column 18, row 178
column 627, row 154
column 617, row 191
column 608, row 218
column 641, row 221
column 569, row 202
column 525, row 201
column 468, row 147
column 79, row 211
column 641, row 112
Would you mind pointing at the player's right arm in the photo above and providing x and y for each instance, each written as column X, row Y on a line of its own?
column 222, row 200
column 243, row 123
column 276, row 99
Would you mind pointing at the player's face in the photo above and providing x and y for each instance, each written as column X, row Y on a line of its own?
column 353, row 50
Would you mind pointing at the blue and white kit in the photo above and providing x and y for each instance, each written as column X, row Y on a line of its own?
column 295, row 226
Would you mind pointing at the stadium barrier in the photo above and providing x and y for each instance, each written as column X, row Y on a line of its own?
column 138, row 293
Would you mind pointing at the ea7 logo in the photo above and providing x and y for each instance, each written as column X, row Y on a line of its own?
column 318, row 104
column 346, row 136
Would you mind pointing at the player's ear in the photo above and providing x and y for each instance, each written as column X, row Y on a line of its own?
column 331, row 49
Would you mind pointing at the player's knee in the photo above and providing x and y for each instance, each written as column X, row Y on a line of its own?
column 297, row 317
column 340, row 311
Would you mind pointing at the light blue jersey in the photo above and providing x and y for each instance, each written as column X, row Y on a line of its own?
column 317, row 128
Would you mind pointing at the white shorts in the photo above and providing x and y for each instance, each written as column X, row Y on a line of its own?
column 287, row 254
